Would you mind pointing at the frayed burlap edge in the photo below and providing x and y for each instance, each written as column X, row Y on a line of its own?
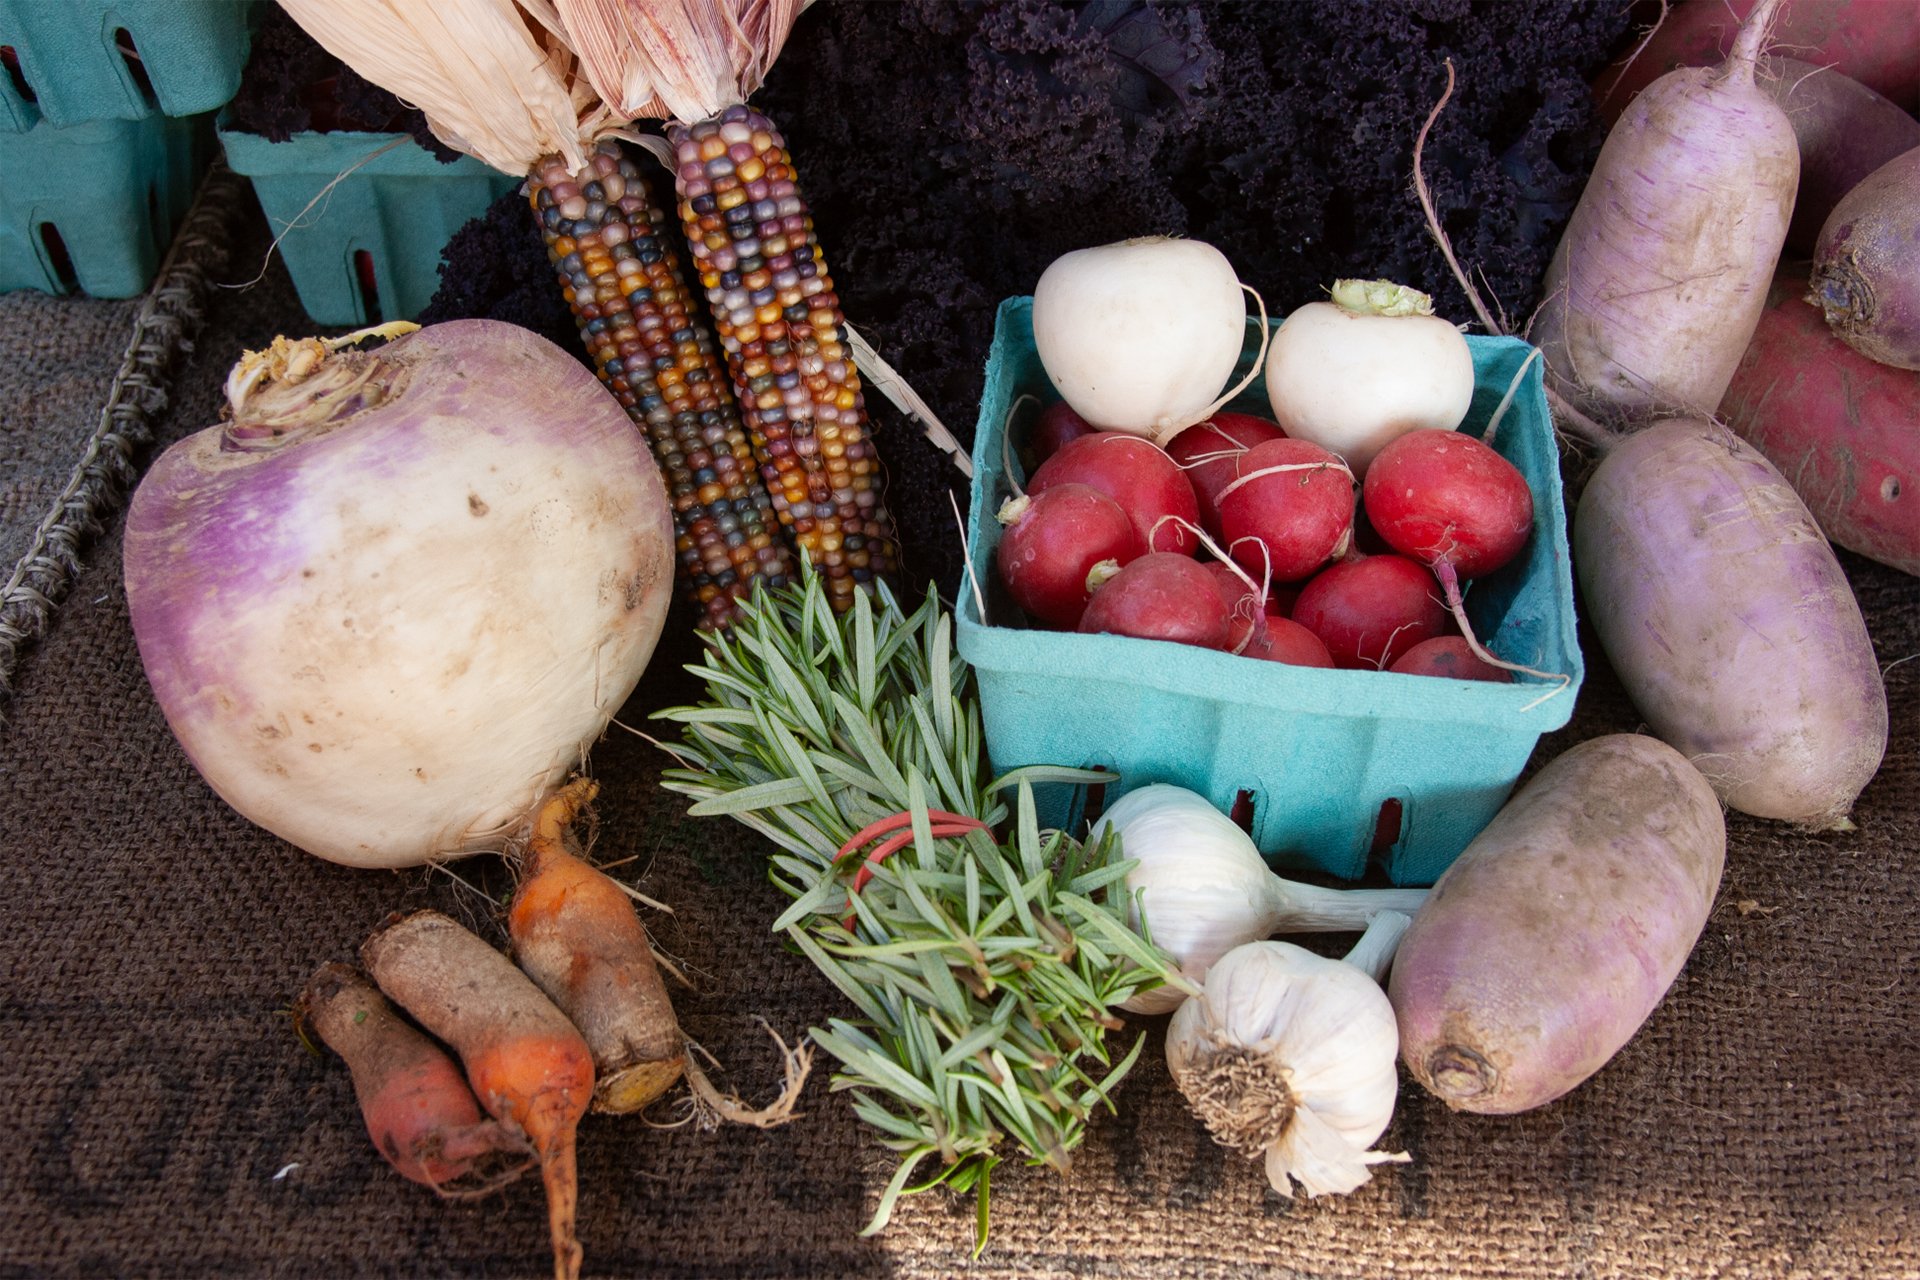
column 103, row 476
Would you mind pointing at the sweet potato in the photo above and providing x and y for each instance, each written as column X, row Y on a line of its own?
column 1730, row 623
column 1554, row 935
column 1840, row 427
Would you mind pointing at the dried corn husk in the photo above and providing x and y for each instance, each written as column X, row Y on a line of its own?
column 490, row 82
column 674, row 59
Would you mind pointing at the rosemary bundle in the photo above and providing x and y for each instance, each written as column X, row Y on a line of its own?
column 984, row 956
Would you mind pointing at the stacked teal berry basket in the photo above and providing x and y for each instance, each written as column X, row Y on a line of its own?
column 106, row 124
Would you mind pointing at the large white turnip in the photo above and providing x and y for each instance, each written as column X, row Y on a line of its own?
column 391, row 603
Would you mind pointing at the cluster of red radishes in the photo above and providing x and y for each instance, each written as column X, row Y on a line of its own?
column 1108, row 537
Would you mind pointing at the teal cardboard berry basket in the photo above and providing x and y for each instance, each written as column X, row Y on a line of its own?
column 362, row 218
column 1333, row 770
column 68, row 62
column 91, row 208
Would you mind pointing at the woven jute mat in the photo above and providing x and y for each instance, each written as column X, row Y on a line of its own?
column 164, row 1120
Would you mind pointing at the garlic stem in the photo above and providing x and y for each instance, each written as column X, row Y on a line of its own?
column 1375, row 950
column 1308, row 908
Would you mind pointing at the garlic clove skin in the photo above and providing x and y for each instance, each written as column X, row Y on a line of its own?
column 1201, row 884
column 1292, row 1056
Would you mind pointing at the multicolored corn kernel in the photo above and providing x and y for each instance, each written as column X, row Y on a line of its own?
column 612, row 248
column 781, row 327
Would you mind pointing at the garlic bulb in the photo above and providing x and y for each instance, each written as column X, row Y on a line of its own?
column 1204, row 888
column 1294, row 1057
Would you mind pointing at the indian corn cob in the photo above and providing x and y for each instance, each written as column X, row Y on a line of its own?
column 780, row 323
column 609, row 245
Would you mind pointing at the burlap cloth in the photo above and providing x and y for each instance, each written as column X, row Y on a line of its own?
column 163, row 1119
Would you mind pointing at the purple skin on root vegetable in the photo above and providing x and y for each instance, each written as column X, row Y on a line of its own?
column 1866, row 266
column 1163, row 596
column 1738, row 637
column 1662, row 271
column 1137, row 474
column 411, row 536
column 1845, row 131
column 1554, row 935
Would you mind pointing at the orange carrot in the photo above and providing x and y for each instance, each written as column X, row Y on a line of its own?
column 419, row 1111
column 576, row 934
column 527, row 1064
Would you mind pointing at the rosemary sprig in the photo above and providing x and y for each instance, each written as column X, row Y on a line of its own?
column 984, row 968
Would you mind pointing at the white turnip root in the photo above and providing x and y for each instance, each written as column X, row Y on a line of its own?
column 1140, row 336
column 1370, row 364
column 1553, row 936
column 1730, row 623
column 1662, row 273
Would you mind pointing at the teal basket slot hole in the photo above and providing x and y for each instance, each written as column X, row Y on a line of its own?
column 369, row 284
column 10, row 59
column 136, row 65
column 1388, row 826
column 59, row 261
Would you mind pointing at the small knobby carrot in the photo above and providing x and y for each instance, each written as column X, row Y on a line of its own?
column 419, row 1111
column 527, row 1063
column 577, row 935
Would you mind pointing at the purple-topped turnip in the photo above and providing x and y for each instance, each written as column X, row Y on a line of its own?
column 390, row 604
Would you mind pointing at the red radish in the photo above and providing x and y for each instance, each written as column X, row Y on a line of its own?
column 1137, row 474
column 1836, row 424
column 1162, row 596
column 1206, row 451
column 1370, row 611
column 1053, row 541
column 1441, row 495
column 1866, row 266
column 1662, row 272
column 1845, row 131
column 1284, row 640
column 1243, row 600
column 1288, row 511
column 1451, row 657
column 1056, row 426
